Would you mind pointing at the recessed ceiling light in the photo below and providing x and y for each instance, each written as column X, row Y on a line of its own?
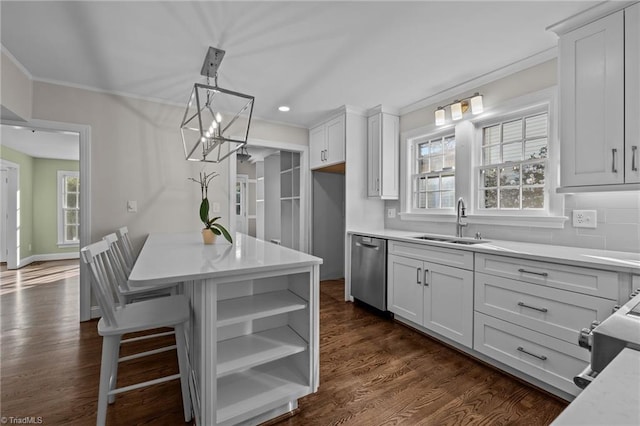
column 284, row 108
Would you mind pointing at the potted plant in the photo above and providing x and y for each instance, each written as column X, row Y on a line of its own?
column 211, row 228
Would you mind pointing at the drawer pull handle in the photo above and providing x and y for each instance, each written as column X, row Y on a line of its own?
column 524, row 305
column 524, row 271
column 614, row 153
column 426, row 279
column 418, row 276
column 523, row 350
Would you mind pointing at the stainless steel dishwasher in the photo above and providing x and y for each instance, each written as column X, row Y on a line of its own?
column 369, row 270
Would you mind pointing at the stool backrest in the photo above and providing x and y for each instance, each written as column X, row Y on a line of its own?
column 120, row 270
column 126, row 246
column 96, row 256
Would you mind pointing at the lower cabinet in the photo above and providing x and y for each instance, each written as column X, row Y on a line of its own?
column 434, row 296
column 546, row 358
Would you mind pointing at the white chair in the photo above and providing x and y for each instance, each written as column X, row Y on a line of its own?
column 127, row 248
column 126, row 293
column 117, row 320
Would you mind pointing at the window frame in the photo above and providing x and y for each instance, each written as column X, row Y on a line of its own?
column 468, row 134
column 415, row 146
column 61, row 176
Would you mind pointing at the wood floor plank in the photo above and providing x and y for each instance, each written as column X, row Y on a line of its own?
column 373, row 371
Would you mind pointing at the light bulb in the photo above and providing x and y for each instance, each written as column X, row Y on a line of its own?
column 440, row 119
column 214, row 125
column 456, row 111
column 476, row 104
column 207, row 134
column 218, row 117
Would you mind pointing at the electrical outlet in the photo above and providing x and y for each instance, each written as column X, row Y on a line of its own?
column 585, row 219
column 391, row 213
column 215, row 207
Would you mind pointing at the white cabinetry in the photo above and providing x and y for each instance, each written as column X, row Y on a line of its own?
column 596, row 148
column 382, row 155
column 327, row 143
column 431, row 291
column 632, row 94
column 528, row 314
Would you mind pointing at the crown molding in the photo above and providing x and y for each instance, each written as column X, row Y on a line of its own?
column 585, row 17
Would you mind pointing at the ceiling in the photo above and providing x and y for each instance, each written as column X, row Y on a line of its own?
column 313, row 56
column 40, row 143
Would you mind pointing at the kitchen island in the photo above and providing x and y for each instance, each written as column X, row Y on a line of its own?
column 253, row 336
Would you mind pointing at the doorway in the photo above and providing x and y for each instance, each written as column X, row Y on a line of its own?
column 259, row 150
column 28, row 254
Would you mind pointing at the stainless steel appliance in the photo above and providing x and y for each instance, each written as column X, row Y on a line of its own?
column 369, row 270
column 605, row 340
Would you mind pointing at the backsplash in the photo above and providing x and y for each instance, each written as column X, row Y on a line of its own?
column 618, row 228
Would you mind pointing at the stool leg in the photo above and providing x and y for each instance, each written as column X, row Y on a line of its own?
column 106, row 365
column 183, row 363
column 113, row 380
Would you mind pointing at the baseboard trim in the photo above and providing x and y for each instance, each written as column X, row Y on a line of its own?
column 47, row 257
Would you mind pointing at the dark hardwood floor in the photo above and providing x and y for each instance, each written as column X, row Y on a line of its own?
column 373, row 371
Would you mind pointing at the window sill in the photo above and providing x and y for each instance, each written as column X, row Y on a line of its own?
column 553, row 222
column 68, row 245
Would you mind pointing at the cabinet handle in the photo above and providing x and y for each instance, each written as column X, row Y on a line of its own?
column 426, row 283
column 634, row 166
column 614, row 153
column 524, row 271
column 378, row 185
column 418, row 276
column 524, row 351
column 524, row 305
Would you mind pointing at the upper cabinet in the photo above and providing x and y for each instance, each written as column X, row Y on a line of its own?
column 632, row 94
column 326, row 142
column 382, row 155
column 599, row 112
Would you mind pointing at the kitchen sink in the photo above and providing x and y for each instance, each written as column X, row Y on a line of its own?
column 454, row 240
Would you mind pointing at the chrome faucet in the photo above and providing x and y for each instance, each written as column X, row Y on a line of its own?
column 460, row 213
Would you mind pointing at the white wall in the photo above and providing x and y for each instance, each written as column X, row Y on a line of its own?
column 618, row 213
column 16, row 89
column 137, row 154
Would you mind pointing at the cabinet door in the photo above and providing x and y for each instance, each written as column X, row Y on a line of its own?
column 374, row 131
column 389, row 157
column 448, row 302
column 317, row 146
column 632, row 96
column 592, row 103
column 404, row 287
column 335, row 141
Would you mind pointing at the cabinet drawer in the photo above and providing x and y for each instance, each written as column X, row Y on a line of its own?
column 582, row 280
column 550, row 360
column 556, row 313
column 444, row 256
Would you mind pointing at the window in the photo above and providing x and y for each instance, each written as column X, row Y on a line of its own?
column 513, row 165
column 433, row 179
column 69, row 208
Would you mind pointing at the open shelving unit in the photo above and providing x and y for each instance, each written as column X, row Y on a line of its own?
column 263, row 352
column 290, row 199
column 260, row 200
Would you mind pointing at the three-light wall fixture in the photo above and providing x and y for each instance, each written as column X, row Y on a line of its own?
column 216, row 121
column 459, row 107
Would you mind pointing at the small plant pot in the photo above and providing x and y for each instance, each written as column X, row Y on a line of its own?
column 208, row 237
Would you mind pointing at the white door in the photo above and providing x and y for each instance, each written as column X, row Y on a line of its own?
column 4, row 187
column 241, row 204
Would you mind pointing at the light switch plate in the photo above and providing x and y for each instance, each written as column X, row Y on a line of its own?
column 391, row 213
column 132, row 206
column 585, row 219
column 215, row 207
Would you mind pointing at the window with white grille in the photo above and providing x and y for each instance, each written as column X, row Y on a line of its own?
column 513, row 169
column 433, row 177
column 69, row 208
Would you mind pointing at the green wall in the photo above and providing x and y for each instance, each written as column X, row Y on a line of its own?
column 38, row 202
column 25, row 219
column 45, row 203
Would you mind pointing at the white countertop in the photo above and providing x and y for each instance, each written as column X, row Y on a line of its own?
column 613, row 398
column 618, row 261
column 176, row 257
